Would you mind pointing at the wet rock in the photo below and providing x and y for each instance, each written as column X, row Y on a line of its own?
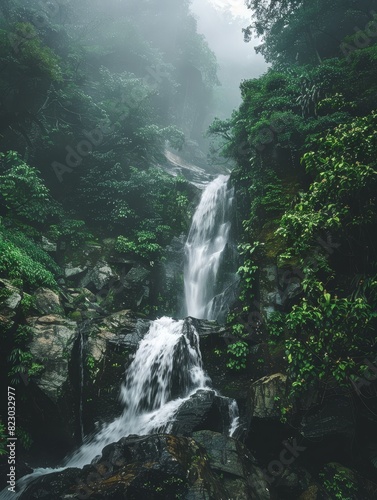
column 47, row 301
column 205, row 328
column 135, row 286
column 71, row 272
column 334, row 417
column 203, row 410
column 159, row 467
column 53, row 339
column 311, row 493
column 10, row 301
column 266, row 396
column 293, row 482
column 99, row 277
column 233, row 461
column 48, row 246
column 110, row 345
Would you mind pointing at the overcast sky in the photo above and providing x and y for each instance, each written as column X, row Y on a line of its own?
column 221, row 21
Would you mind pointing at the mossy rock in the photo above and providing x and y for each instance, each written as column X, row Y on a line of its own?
column 75, row 316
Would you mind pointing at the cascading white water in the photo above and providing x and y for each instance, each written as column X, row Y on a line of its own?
column 205, row 247
column 167, row 367
column 167, row 370
column 82, row 342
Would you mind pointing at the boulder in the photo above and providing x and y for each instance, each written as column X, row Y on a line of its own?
column 47, row 301
column 99, row 277
column 10, row 301
column 234, row 462
column 48, row 246
column 158, row 467
column 108, row 351
column 71, row 272
column 53, row 339
column 266, row 397
column 334, row 417
column 135, row 287
column 203, row 410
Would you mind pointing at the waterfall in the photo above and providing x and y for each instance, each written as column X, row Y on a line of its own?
column 167, row 367
column 166, row 371
column 205, row 249
column 81, row 402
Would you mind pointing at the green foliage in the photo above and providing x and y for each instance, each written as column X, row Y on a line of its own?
column 31, row 52
column 22, row 363
column 31, row 248
column 143, row 245
column 15, row 263
column 339, row 482
column 343, row 166
column 24, row 437
column 238, row 352
column 300, row 31
column 23, row 191
column 326, row 336
column 248, row 270
column 72, row 231
column 3, row 439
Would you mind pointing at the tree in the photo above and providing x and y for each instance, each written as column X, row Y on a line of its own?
column 304, row 31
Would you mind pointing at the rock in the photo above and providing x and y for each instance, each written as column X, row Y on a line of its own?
column 266, row 396
column 10, row 301
column 334, row 417
column 99, row 277
column 72, row 272
column 205, row 328
column 160, row 467
column 47, row 302
column 125, row 322
column 292, row 482
column 53, row 339
column 228, row 457
column 109, row 347
column 203, row 410
column 311, row 493
column 135, row 287
column 344, row 481
column 48, row 246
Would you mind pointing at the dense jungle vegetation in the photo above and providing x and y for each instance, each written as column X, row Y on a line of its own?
column 304, row 141
column 88, row 102
column 305, row 146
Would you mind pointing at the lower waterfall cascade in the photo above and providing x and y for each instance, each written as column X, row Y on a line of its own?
column 167, row 367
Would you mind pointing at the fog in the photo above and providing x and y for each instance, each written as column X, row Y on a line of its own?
column 222, row 27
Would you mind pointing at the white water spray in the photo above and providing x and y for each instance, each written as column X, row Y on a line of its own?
column 166, row 370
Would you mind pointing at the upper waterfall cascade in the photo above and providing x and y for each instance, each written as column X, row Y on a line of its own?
column 205, row 249
column 167, row 366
